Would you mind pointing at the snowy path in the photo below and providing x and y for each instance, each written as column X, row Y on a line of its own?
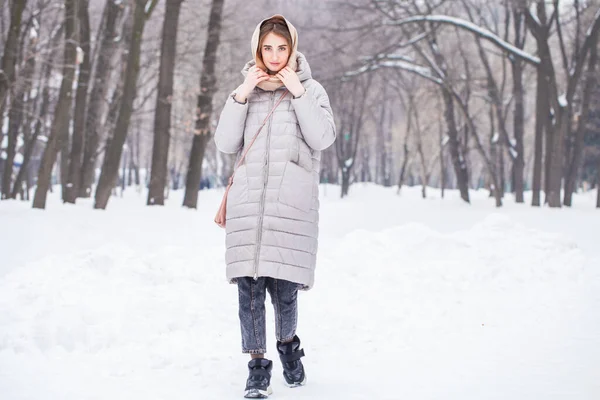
column 415, row 299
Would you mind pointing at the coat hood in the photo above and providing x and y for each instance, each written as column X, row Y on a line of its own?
column 296, row 62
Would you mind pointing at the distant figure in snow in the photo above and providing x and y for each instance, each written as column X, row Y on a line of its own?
column 273, row 204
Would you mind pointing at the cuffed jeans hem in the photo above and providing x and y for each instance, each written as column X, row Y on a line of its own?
column 287, row 340
column 259, row 351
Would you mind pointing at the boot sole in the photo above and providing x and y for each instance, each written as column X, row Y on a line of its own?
column 258, row 394
column 296, row 384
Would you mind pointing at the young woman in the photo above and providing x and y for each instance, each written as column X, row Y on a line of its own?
column 272, row 206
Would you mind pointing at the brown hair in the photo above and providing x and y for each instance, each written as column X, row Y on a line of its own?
column 274, row 25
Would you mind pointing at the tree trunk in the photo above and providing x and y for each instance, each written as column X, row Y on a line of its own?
column 489, row 163
column 556, row 159
column 30, row 147
column 112, row 156
column 27, row 125
column 97, row 103
column 204, row 109
column 541, row 119
column 381, row 156
column 458, row 161
column 424, row 172
column 17, row 111
column 518, row 170
column 162, row 116
column 547, row 99
column 44, row 88
column 442, row 167
column 408, row 129
column 131, row 167
column 61, row 114
column 136, row 163
column 74, row 176
column 494, row 147
column 501, row 174
column 498, row 105
column 575, row 164
column 124, row 162
column 389, row 158
column 403, row 169
column 598, row 185
column 366, row 166
column 114, row 107
column 345, row 182
column 563, row 106
column 63, row 164
column 549, row 128
column 9, row 57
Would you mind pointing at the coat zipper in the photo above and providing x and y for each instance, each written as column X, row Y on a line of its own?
column 261, row 210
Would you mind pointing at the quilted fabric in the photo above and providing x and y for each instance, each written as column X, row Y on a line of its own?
column 273, row 204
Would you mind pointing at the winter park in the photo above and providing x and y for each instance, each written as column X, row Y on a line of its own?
column 300, row 199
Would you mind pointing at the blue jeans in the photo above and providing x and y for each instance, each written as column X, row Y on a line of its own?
column 252, row 295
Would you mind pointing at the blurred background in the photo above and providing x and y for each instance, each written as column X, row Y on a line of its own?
column 98, row 97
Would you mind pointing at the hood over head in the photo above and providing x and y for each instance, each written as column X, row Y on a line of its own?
column 296, row 61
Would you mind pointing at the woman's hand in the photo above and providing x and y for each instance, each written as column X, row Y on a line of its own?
column 291, row 81
column 254, row 77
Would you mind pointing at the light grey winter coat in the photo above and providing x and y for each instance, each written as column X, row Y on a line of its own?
column 273, row 204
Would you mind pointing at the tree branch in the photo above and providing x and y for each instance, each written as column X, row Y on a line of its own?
column 561, row 41
column 591, row 39
column 150, row 6
column 473, row 28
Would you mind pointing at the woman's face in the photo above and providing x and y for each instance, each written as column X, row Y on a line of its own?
column 275, row 52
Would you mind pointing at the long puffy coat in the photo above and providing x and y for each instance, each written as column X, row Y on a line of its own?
column 273, row 204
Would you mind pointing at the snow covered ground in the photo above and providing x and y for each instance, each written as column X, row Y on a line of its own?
column 414, row 299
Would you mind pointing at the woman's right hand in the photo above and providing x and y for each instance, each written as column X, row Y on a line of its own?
column 254, row 77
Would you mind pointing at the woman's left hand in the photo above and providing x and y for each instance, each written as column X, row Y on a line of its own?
column 291, row 81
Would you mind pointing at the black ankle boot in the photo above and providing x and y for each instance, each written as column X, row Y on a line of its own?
column 290, row 354
column 258, row 385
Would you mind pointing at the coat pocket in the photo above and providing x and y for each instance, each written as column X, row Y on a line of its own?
column 296, row 187
column 238, row 193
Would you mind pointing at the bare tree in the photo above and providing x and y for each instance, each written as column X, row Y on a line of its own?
column 78, row 137
column 18, row 108
column 350, row 106
column 425, row 172
column 9, row 56
column 40, row 119
column 162, row 116
column 497, row 99
column 60, row 123
column 407, row 92
column 468, row 60
column 582, row 118
column 437, row 72
column 438, row 64
column 561, row 104
column 519, row 110
column 441, row 156
column 208, row 82
column 101, row 85
column 112, row 157
column 383, row 158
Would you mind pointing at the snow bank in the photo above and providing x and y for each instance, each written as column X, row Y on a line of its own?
column 134, row 303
